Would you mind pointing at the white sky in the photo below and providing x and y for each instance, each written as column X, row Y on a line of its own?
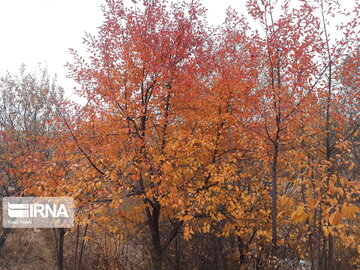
column 42, row 31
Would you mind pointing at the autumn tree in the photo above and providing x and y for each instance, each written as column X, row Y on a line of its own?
column 26, row 113
column 240, row 139
column 301, row 61
column 141, row 63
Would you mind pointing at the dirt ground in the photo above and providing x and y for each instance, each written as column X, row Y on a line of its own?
column 27, row 249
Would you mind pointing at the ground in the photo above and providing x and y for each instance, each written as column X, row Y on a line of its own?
column 27, row 249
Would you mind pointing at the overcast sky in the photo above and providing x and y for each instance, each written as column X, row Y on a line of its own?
column 42, row 31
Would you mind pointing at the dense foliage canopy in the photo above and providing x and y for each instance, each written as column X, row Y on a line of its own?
column 212, row 148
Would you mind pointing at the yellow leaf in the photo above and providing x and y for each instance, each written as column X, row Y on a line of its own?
column 299, row 215
column 334, row 218
column 332, row 186
column 326, row 231
column 352, row 165
column 188, row 232
column 349, row 211
column 286, row 201
column 311, row 203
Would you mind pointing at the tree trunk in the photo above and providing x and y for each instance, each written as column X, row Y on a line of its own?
column 82, row 246
column 4, row 235
column 330, row 264
column 274, row 199
column 153, row 222
column 329, row 259
column 60, row 249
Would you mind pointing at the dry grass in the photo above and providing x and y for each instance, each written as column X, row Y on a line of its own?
column 28, row 249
